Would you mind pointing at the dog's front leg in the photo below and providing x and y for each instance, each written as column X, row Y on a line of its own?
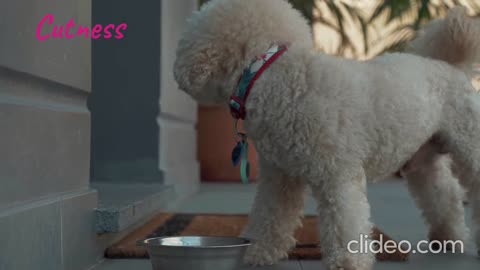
column 344, row 216
column 275, row 215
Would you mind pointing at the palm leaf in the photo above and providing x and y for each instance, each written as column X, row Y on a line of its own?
column 305, row 7
column 423, row 14
column 395, row 8
column 357, row 16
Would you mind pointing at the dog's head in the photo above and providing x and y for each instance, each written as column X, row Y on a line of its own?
column 224, row 36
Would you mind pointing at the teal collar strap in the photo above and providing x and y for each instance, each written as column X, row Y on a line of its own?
column 249, row 76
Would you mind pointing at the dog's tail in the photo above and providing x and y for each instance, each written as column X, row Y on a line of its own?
column 455, row 39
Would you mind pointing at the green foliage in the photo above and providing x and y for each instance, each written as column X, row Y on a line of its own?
column 304, row 6
column 394, row 9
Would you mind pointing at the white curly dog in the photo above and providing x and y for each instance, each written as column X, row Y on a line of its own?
column 331, row 123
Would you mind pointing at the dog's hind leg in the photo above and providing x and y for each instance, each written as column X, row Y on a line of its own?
column 438, row 194
column 344, row 217
column 460, row 135
column 275, row 215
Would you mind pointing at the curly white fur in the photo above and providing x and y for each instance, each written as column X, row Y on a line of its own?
column 332, row 123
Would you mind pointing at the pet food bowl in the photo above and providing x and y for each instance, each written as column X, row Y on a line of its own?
column 196, row 252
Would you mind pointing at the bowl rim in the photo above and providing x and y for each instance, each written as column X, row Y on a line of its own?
column 145, row 242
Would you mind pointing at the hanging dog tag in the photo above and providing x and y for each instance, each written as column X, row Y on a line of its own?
column 245, row 165
column 240, row 156
column 237, row 153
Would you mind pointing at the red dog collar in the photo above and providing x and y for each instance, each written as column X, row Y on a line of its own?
column 249, row 76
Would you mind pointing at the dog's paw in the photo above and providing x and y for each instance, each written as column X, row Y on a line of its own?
column 442, row 245
column 260, row 255
column 348, row 261
column 450, row 238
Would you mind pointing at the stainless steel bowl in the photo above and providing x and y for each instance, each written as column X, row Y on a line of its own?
column 196, row 252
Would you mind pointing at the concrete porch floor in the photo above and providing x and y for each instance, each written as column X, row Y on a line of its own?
column 392, row 210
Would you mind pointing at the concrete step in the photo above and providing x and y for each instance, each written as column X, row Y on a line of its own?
column 123, row 205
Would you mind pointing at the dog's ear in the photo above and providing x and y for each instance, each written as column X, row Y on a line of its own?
column 193, row 69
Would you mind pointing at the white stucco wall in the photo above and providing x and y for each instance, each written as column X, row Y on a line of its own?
column 46, row 206
column 178, row 112
column 45, row 197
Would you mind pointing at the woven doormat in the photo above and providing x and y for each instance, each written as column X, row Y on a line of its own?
column 225, row 225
